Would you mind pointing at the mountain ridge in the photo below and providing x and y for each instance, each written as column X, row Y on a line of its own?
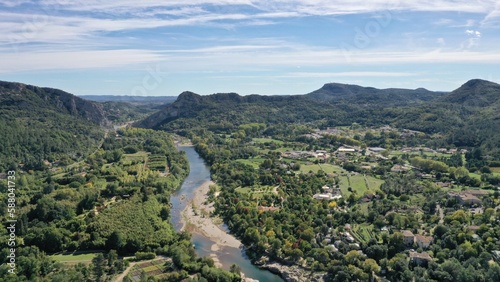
column 25, row 95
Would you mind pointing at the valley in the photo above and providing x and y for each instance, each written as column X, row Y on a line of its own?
column 346, row 183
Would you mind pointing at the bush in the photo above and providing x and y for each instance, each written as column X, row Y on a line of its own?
column 144, row 255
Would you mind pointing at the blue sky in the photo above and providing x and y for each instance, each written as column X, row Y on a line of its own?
column 134, row 47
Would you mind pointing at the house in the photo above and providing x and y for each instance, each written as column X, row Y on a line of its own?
column 468, row 199
column 348, row 237
column 376, row 149
column 346, row 150
column 474, row 211
column 420, row 258
column 443, row 184
column 423, row 241
column 408, row 237
column 477, row 192
column 399, row 168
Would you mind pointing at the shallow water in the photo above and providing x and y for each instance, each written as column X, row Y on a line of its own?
column 199, row 173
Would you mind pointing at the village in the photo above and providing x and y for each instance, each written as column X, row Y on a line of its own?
column 350, row 169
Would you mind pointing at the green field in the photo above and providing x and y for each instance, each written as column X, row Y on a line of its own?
column 267, row 140
column 139, row 156
column 255, row 162
column 327, row 168
column 374, row 183
column 256, row 192
column 74, row 258
column 475, row 175
column 344, row 185
column 358, row 184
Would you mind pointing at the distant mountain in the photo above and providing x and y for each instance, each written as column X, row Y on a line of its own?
column 475, row 92
column 44, row 124
column 466, row 117
column 332, row 100
column 334, row 92
column 140, row 100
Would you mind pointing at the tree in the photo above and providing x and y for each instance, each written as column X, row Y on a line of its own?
column 376, row 252
column 98, row 267
column 235, row 269
column 370, row 265
column 116, row 241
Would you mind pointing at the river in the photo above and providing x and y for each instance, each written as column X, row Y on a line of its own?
column 200, row 173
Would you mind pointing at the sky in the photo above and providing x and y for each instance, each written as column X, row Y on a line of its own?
column 269, row 47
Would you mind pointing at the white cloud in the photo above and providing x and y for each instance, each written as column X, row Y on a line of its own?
column 473, row 33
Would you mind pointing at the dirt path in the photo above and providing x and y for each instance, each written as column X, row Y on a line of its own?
column 125, row 272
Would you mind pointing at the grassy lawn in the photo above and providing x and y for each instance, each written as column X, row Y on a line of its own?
column 255, row 162
column 242, row 190
column 344, row 185
column 475, row 175
column 358, row 183
column 266, row 140
column 140, row 156
column 305, row 168
column 284, row 149
column 255, row 192
column 363, row 207
column 74, row 258
column 374, row 183
column 327, row 168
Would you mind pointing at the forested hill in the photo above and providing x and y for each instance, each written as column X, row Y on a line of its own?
column 45, row 124
column 475, row 92
column 226, row 109
column 466, row 117
column 18, row 96
column 354, row 93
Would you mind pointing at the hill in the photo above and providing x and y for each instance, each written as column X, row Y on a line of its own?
column 466, row 117
column 224, row 110
column 475, row 92
column 334, row 92
column 40, row 124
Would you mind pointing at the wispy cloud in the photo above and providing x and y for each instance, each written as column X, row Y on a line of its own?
column 74, row 60
column 236, row 58
column 349, row 74
column 237, row 35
